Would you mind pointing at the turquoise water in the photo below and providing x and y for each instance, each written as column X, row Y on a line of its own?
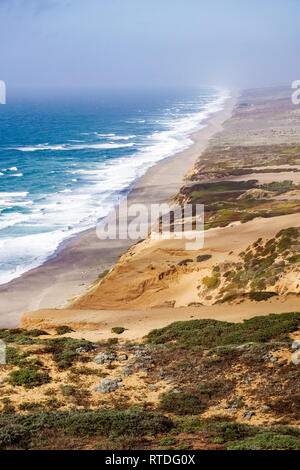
column 65, row 161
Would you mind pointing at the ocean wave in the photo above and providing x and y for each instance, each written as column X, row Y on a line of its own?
column 115, row 137
column 12, row 168
column 13, row 194
column 40, row 147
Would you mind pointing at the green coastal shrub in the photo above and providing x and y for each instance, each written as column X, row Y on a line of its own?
column 168, row 441
column 67, row 390
column 211, row 333
column 294, row 259
column 180, row 403
column 28, row 377
column 260, row 296
column 63, row 329
column 20, row 429
column 267, row 441
column 211, row 282
column 65, row 350
column 35, row 332
column 232, row 431
column 118, row 330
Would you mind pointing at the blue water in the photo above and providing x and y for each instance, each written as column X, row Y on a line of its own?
column 65, row 161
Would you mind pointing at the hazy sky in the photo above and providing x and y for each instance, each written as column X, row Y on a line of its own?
column 94, row 43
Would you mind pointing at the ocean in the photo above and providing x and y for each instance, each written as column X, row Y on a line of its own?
column 66, row 160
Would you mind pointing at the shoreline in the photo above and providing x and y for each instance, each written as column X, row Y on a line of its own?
column 81, row 259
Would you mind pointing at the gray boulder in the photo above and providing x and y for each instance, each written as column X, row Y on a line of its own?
column 123, row 357
column 104, row 358
column 248, row 415
column 126, row 372
column 108, row 385
column 296, row 345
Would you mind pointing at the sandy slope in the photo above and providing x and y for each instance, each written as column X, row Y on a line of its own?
column 144, row 276
column 95, row 325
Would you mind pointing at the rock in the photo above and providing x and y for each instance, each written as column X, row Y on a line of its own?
column 104, row 358
column 266, row 409
column 107, row 385
column 173, row 390
column 123, row 357
column 235, row 403
column 118, row 379
column 248, row 415
column 138, row 365
column 152, row 388
column 269, row 357
column 296, row 345
column 126, row 372
column 82, row 350
column 245, row 345
column 238, row 377
column 255, row 193
column 169, row 381
column 231, row 411
column 142, row 355
column 248, row 380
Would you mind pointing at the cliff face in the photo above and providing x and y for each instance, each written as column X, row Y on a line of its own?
column 241, row 266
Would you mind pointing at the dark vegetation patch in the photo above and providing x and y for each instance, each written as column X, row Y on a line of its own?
column 65, row 351
column 19, row 430
column 17, row 336
column 266, row 441
column 202, row 258
column 211, row 333
column 28, row 377
column 224, row 200
column 135, row 429
column 261, row 296
column 118, row 330
column 185, row 262
column 181, row 403
column 63, row 329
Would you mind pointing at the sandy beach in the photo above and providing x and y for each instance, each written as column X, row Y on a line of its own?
column 70, row 272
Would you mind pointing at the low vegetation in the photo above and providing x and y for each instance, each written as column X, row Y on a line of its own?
column 260, row 271
column 201, row 374
column 213, row 333
column 20, row 430
column 118, row 330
